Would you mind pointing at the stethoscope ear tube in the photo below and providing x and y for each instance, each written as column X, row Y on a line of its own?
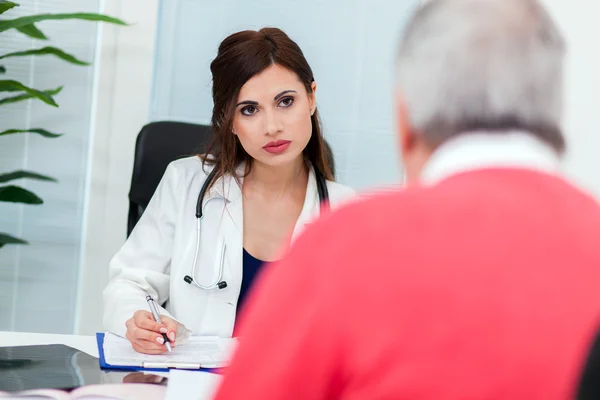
column 211, row 176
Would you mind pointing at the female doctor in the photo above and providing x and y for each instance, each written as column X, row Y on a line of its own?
column 214, row 221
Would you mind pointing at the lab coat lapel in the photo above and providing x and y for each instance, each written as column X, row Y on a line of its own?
column 228, row 188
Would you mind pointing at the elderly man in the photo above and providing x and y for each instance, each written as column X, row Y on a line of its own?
column 478, row 281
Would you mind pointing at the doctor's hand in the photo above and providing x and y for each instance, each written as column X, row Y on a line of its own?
column 145, row 334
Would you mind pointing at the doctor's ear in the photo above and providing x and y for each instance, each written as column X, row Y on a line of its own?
column 312, row 98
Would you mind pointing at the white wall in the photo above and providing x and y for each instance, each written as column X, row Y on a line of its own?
column 123, row 98
column 579, row 22
column 349, row 44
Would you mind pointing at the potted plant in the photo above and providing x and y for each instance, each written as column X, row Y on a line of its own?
column 12, row 91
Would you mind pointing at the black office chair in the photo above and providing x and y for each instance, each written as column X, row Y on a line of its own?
column 159, row 143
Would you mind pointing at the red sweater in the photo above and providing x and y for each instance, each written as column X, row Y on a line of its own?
column 485, row 286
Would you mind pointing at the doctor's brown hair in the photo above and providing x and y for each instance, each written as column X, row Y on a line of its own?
column 241, row 56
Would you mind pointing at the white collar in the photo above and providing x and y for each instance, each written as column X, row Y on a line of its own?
column 480, row 150
column 227, row 187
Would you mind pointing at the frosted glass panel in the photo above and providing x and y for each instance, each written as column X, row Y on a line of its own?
column 38, row 282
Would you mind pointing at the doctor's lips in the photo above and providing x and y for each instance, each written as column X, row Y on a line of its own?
column 277, row 146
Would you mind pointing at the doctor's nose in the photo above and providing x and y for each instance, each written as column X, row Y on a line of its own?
column 273, row 124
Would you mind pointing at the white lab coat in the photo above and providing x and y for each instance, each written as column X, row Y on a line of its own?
column 160, row 251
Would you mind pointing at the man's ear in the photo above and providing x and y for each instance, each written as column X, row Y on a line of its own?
column 406, row 137
column 414, row 151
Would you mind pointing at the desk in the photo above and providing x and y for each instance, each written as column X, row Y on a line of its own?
column 86, row 344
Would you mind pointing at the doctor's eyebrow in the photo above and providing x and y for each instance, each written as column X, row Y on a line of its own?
column 255, row 103
column 247, row 102
column 282, row 93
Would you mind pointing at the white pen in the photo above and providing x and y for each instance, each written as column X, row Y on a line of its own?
column 154, row 311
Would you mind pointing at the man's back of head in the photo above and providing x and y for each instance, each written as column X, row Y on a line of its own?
column 469, row 66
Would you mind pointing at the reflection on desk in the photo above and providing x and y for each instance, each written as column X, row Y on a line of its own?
column 55, row 366
column 87, row 345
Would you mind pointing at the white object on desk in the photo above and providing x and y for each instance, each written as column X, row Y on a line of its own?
column 192, row 385
column 129, row 391
column 197, row 352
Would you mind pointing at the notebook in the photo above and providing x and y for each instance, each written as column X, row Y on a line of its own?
column 198, row 352
column 129, row 391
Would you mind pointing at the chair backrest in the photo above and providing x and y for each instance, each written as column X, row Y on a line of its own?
column 159, row 143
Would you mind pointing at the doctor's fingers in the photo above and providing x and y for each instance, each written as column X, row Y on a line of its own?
column 147, row 322
column 145, row 319
column 146, row 347
column 168, row 326
column 171, row 327
column 147, row 342
column 136, row 333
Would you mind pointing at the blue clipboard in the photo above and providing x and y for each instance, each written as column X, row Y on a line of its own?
column 104, row 365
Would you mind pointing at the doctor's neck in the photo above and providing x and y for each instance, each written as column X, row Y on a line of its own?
column 277, row 179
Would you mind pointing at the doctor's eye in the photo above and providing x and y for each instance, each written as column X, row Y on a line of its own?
column 286, row 102
column 249, row 110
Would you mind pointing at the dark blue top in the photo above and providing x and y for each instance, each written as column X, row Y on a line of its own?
column 251, row 266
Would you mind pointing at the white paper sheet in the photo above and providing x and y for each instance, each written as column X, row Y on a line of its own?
column 192, row 385
column 208, row 352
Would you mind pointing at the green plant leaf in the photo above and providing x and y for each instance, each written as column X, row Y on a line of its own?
column 39, row 131
column 32, row 31
column 2, row 69
column 30, row 19
column 16, row 194
column 22, row 97
column 46, row 51
column 24, row 174
column 6, row 5
column 14, row 86
column 5, row 238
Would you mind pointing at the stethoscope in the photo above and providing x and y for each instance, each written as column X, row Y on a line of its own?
column 219, row 283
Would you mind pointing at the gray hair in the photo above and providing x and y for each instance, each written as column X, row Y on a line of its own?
column 494, row 65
